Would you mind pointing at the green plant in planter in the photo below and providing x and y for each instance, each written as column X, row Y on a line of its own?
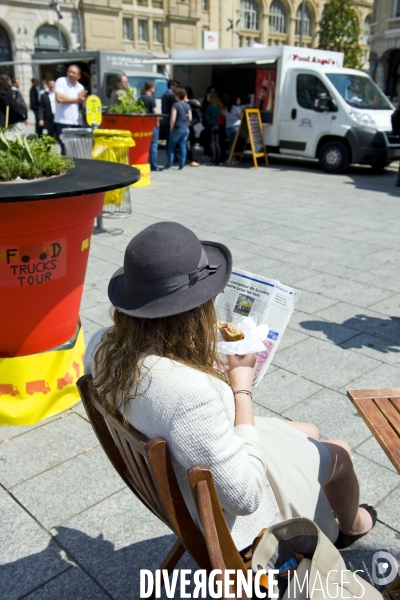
column 29, row 159
column 127, row 104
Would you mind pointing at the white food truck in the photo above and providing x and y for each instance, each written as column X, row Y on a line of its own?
column 310, row 105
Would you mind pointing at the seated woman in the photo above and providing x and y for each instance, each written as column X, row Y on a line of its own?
column 156, row 367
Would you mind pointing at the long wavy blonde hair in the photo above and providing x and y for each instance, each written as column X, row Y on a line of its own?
column 189, row 338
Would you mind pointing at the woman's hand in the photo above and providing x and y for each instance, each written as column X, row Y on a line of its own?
column 241, row 371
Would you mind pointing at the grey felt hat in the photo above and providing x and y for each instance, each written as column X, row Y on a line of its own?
column 168, row 270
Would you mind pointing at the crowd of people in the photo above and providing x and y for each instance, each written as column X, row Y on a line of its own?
column 184, row 123
column 56, row 105
column 181, row 113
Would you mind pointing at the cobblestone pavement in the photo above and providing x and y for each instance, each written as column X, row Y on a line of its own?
column 69, row 528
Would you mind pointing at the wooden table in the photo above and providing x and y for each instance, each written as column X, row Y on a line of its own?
column 380, row 409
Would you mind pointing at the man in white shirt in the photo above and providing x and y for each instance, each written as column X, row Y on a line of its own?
column 70, row 94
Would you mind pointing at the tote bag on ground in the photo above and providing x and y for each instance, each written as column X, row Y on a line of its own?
column 321, row 571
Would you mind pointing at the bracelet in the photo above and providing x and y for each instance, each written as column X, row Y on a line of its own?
column 247, row 392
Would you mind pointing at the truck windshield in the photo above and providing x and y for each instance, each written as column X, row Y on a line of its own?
column 138, row 82
column 359, row 92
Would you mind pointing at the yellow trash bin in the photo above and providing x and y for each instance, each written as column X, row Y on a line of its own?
column 144, row 180
column 112, row 145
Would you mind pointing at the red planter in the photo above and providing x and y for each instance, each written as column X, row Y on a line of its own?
column 43, row 266
column 45, row 230
column 141, row 127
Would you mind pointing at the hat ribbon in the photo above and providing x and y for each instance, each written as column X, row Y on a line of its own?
column 153, row 290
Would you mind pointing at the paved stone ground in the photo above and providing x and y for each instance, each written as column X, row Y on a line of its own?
column 69, row 529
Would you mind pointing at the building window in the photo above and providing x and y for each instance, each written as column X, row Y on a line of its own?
column 49, row 38
column 366, row 32
column 307, row 21
column 277, row 17
column 204, row 5
column 248, row 14
column 396, row 8
column 143, row 30
column 5, row 46
column 157, row 32
column 128, row 29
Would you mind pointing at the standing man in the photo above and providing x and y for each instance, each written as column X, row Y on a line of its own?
column 47, row 108
column 166, row 107
column 70, row 95
column 147, row 97
column 34, row 104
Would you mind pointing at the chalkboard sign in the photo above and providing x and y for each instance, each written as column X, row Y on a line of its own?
column 249, row 132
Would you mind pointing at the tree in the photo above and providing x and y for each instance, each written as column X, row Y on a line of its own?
column 340, row 31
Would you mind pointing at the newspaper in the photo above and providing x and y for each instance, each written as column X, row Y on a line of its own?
column 267, row 301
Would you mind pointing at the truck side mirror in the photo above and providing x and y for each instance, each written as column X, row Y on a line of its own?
column 323, row 103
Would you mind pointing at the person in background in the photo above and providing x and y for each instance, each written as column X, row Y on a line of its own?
column 11, row 98
column 121, row 84
column 222, row 133
column 167, row 101
column 147, row 97
column 34, row 104
column 196, row 119
column 206, row 102
column 44, row 89
column 210, row 120
column 181, row 115
column 47, row 108
column 396, row 131
column 70, row 94
column 232, row 112
column 15, row 84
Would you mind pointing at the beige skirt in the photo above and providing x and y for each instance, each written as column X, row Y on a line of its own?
column 298, row 468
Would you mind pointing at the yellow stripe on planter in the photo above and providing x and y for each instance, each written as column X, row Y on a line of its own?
column 145, row 175
column 38, row 386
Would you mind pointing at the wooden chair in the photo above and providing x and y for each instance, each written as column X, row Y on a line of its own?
column 146, row 468
column 380, row 410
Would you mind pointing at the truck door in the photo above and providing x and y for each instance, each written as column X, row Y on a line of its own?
column 302, row 125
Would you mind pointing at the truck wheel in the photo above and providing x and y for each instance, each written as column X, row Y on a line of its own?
column 378, row 167
column 334, row 157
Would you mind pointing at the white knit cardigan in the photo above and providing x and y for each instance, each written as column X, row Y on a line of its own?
column 195, row 414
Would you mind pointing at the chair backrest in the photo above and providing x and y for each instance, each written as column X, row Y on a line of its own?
column 146, row 468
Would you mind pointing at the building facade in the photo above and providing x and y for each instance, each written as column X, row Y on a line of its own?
column 385, row 47
column 28, row 26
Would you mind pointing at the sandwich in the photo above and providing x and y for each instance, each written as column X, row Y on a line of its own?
column 229, row 332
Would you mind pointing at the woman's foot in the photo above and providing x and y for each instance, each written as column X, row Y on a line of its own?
column 365, row 521
column 194, row 164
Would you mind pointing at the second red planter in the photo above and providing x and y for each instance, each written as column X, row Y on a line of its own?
column 141, row 128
